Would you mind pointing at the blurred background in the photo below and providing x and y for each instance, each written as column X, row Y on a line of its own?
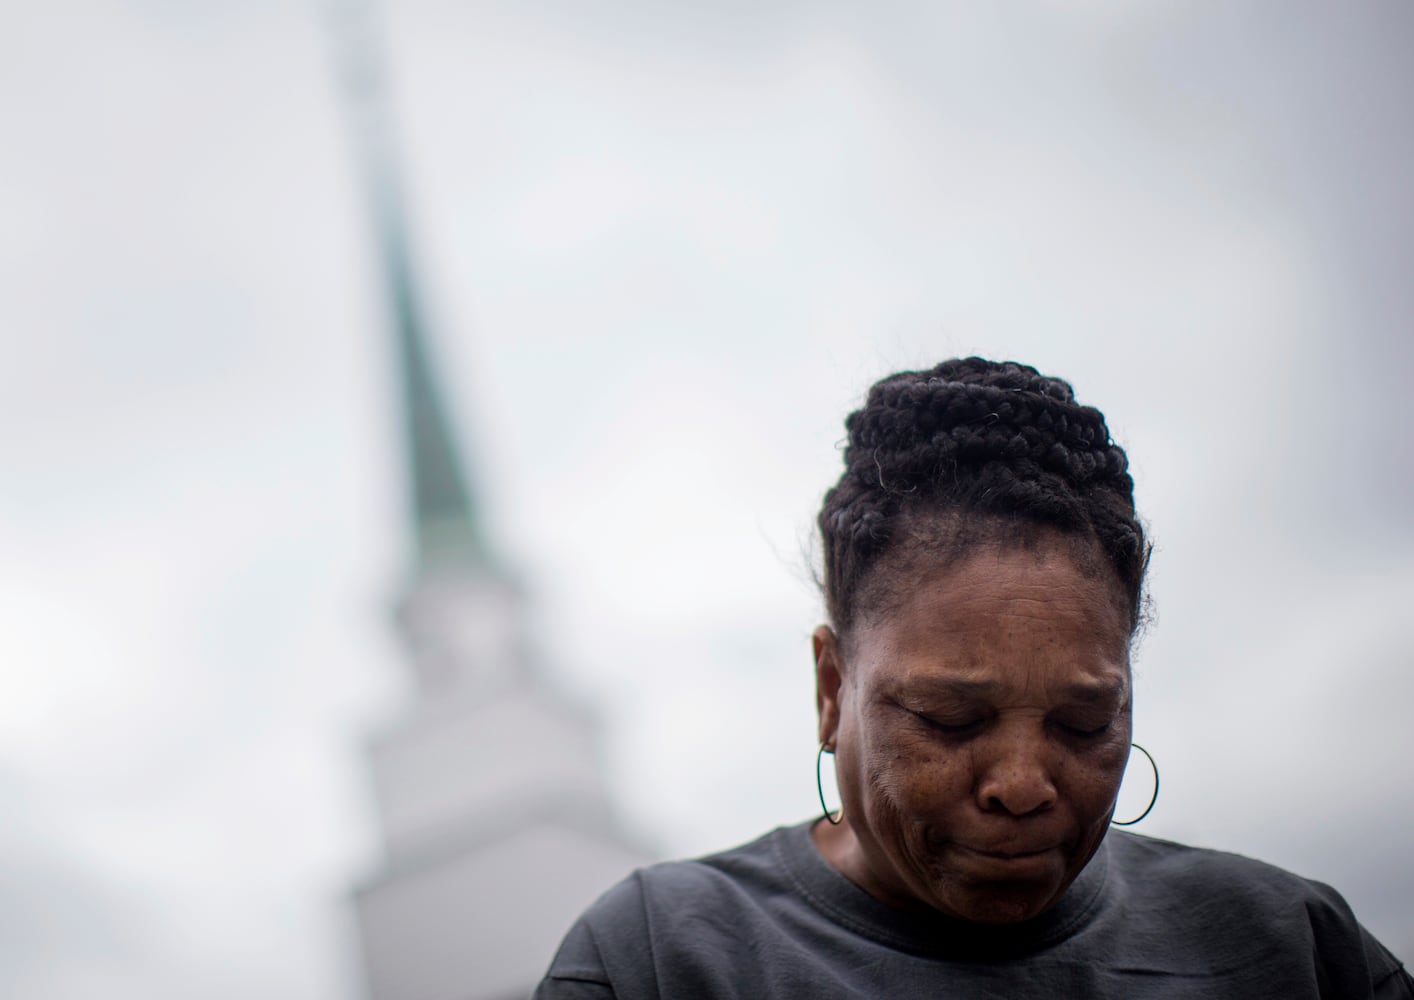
column 663, row 249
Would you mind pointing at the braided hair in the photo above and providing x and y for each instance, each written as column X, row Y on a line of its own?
column 973, row 452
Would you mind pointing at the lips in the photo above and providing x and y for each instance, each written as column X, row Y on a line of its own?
column 1013, row 855
column 1007, row 865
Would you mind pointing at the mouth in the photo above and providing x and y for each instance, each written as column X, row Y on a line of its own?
column 1008, row 864
column 1007, row 855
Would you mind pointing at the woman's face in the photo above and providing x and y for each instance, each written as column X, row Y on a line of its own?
column 981, row 728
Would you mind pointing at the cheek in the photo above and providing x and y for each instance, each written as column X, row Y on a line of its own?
column 913, row 778
column 1090, row 781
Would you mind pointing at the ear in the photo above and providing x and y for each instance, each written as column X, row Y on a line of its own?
column 827, row 682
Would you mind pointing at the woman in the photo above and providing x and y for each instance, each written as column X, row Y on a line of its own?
column 983, row 580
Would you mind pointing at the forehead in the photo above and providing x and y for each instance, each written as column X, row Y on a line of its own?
column 1001, row 618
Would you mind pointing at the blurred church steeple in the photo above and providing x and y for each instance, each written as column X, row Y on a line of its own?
column 445, row 520
column 495, row 820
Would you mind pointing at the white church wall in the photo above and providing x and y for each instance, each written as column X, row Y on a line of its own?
column 483, row 923
column 460, row 766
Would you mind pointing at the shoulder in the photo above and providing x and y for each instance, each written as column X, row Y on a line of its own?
column 717, row 885
column 1204, row 894
column 752, row 868
column 599, row 950
column 672, row 906
column 1216, row 878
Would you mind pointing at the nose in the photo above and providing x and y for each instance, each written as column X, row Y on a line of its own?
column 1016, row 779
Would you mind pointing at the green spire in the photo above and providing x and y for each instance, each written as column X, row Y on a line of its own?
column 444, row 517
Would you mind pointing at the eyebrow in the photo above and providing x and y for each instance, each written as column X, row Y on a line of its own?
column 958, row 687
column 1093, row 693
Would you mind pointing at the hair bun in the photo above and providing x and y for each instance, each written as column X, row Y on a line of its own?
column 971, row 412
column 973, row 436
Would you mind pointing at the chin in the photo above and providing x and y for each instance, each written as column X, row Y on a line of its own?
column 987, row 889
column 994, row 904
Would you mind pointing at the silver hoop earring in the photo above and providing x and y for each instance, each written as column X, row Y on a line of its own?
column 1153, row 798
column 820, row 787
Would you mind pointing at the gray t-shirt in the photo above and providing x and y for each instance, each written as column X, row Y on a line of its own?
column 1145, row 919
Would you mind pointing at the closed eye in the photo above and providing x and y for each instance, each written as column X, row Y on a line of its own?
column 964, row 728
column 1084, row 732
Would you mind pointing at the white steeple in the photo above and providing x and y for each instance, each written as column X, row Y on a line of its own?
column 495, row 821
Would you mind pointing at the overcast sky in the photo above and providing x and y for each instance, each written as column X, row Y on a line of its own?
column 665, row 248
